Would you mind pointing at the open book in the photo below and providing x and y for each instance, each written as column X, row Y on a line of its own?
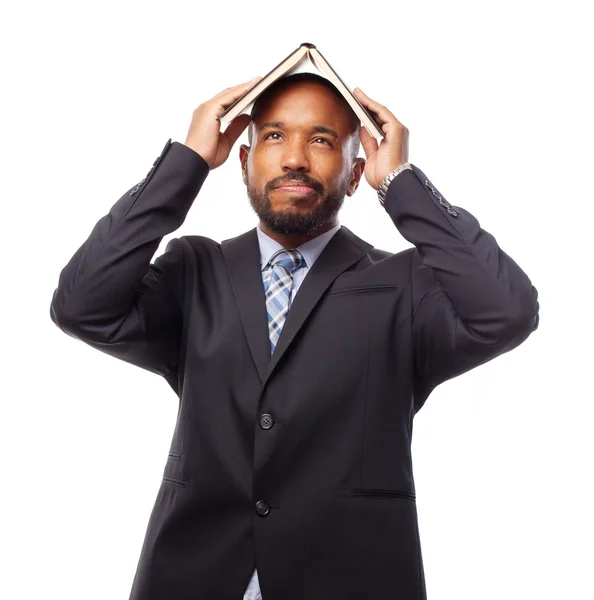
column 295, row 63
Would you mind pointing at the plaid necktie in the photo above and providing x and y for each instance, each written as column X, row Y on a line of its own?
column 278, row 289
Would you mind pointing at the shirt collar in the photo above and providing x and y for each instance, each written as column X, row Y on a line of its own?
column 310, row 249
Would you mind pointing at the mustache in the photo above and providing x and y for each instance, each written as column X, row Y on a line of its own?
column 292, row 177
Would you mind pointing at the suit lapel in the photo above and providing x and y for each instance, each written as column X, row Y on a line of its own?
column 242, row 256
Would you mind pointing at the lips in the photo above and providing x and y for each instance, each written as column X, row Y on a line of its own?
column 298, row 188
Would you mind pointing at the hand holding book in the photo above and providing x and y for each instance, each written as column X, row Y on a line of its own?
column 393, row 149
column 204, row 135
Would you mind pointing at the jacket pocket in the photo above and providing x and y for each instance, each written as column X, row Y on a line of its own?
column 173, row 472
column 383, row 493
column 371, row 289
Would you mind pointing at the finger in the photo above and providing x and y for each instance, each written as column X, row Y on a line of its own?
column 228, row 96
column 379, row 109
column 237, row 127
column 368, row 142
column 239, row 85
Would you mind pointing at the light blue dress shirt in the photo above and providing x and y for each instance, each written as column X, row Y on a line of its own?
column 310, row 251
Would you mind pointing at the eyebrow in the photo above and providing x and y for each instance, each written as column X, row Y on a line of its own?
column 316, row 128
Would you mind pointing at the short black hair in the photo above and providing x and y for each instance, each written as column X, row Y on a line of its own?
column 283, row 82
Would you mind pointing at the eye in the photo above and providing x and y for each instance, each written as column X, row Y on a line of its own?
column 277, row 133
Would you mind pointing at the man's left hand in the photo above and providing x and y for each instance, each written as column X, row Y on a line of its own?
column 393, row 149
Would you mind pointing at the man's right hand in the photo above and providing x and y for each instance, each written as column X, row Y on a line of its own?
column 204, row 135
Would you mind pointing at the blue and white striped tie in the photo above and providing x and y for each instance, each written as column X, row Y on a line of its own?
column 278, row 288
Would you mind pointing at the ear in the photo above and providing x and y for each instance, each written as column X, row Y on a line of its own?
column 356, row 173
column 244, row 152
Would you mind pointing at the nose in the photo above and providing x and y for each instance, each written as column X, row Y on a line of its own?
column 295, row 156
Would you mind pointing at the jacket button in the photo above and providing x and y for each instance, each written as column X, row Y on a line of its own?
column 262, row 508
column 266, row 421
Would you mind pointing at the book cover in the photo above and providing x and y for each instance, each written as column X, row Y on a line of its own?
column 306, row 58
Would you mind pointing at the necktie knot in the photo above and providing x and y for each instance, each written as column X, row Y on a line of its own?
column 291, row 260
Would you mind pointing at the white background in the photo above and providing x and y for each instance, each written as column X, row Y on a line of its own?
column 498, row 101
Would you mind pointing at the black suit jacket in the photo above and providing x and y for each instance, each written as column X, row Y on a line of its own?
column 300, row 463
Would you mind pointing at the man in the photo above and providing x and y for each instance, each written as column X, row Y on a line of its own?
column 300, row 353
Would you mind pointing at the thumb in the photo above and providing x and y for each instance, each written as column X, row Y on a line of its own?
column 237, row 127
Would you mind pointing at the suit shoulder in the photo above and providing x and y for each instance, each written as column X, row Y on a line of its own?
column 376, row 255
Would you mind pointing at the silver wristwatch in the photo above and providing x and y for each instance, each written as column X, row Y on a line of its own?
column 383, row 187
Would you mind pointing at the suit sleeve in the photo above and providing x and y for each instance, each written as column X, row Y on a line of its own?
column 109, row 295
column 471, row 302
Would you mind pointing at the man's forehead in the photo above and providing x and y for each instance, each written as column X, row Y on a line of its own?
column 304, row 107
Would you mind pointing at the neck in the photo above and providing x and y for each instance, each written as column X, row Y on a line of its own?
column 289, row 241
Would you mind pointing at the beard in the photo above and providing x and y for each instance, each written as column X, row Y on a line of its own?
column 287, row 221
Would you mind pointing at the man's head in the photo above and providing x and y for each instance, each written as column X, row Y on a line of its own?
column 303, row 130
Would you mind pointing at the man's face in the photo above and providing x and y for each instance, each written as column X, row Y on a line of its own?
column 295, row 152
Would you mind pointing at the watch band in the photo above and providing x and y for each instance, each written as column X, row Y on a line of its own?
column 383, row 187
